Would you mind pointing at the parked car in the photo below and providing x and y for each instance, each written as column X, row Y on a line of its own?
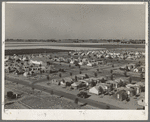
column 82, row 94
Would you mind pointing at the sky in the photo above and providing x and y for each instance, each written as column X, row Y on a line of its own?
column 74, row 21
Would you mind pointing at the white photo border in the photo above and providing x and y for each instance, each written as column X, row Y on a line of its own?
column 81, row 114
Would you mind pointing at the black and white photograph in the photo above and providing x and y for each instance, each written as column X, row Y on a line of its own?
column 75, row 60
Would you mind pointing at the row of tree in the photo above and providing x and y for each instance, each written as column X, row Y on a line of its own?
column 80, row 40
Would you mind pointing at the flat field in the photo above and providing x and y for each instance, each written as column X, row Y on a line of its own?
column 77, row 45
column 45, row 47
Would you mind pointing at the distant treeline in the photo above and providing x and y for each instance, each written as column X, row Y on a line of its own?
column 131, row 41
column 127, row 41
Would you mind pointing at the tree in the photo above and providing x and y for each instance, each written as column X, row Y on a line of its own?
column 107, row 107
column 47, row 77
column 103, row 80
column 40, row 66
column 52, row 92
column 95, row 74
column 111, row 77
column 121, row 83
column 125, row 74
column 127, row 68
column 68, row 54
column 76, row 100
column 101, row 90
column 140, row 63
column 33, row 88
column 130, row 80
column 60, row 75
column 40, row 71
column 58, row 83
column 70, row 73
column 93, row 83
column 124, row 84
column 113, row 65
column 111, row 71
column 141, row 75
column 86, row 76
column 68, row 84
column 127, row 99
column 80, row 72
column 111, row 87
column 76, row 63
column 97, row 70
column 76, row 78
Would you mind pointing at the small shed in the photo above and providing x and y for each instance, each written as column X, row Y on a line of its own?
column 68, row 79
column 114, row 84
column 103, row 87
column 75, row 85
column 121, row 95
column 56, row 81
column 102, row 78
column 25, row 74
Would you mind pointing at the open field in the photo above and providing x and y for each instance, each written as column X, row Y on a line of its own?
column 89, row 45
column 34, row 47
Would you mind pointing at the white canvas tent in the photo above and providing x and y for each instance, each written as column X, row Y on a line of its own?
column 36, row 62
column 94, row 90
